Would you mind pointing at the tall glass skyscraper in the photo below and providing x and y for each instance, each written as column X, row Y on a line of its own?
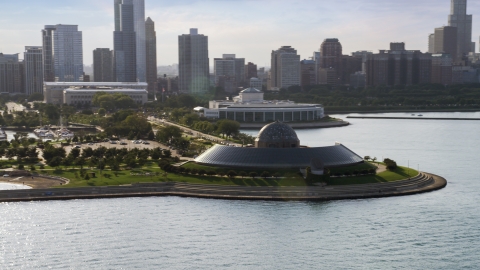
column 124, row 42
column 129, row 41
column 62, row 53
column 139, row 26
column 458, row 18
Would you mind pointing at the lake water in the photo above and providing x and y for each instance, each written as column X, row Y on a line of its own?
column 438, row 230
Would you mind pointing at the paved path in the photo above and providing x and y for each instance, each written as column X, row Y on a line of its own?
column 194, row 132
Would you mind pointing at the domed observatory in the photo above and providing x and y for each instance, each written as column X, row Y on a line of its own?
column 277, row 135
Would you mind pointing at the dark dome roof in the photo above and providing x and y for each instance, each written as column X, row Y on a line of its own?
column 277, row 132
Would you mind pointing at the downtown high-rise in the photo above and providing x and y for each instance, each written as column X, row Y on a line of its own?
column 125, row 42
column 33, row 65
column 285, row 71
column 151, row 54
column 62, row 53
column 129, row 41
column 458, row 18
column 103, row 65
column 193, row 63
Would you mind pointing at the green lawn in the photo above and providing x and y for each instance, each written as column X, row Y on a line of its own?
column 292, row 178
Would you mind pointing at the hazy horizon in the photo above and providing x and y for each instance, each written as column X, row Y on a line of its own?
column 250, row 29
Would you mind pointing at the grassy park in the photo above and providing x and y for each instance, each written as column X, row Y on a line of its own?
column 151, row 173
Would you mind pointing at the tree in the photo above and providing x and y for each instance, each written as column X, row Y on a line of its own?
column 75, row 152
column 242, row 174
column 228, row 127
column 169, row 133
column 231, row 174
column 265, row 175
column 55, row 162
column 253, row 174
column 80, row 161
column 151, row 135
column 367, row 158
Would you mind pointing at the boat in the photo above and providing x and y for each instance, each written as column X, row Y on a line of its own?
column 420, row 115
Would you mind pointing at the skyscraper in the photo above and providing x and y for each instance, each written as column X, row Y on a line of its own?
column 33, row 69
column 250, row 71
column 285, row 69
column 231, row 67
column 11, row 74
column 446, row 41
column 103, row 65
column 47, row 41
column 193, row 62
column 330, row 61
column 62, row 53
column 125, row 42
column 459, row 18
column 151, row 51
column 139, row 26
column 431, row 43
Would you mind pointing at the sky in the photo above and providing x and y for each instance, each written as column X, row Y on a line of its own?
column 251, row 29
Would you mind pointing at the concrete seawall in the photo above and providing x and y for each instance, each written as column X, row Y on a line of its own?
column 424, row 182
column 413, row 118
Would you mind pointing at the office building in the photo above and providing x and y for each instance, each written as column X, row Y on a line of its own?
column 250, row 71
column 11, row 74
column 151, row 52
column 33, row 63
column 458, row 18
column 442, row 64
column 193, row 63
column 446, row 40
column 47, row 41
column 125, row 42
column 330, row 62
column 62, row 53
column 398, row 66
column 139, row 27
column 103, row 65
column 285, row 68
column 431, row 43
column 307, row 68
column 230, row 67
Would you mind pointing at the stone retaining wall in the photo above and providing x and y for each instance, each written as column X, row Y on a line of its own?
column 422, row 183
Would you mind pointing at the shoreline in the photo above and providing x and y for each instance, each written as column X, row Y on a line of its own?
column 399, row 111
column 422, row 183
column 306, row 125
column 413, row 118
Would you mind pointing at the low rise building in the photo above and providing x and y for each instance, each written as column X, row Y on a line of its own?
column 250, row 107
column 84, row 97
column 54, row 91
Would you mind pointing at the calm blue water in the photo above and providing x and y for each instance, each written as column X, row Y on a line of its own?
column 437, row 230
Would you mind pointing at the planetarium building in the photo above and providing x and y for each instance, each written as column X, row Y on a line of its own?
column 278, row 147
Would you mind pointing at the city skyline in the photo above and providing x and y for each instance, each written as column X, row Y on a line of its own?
column 250, row 30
